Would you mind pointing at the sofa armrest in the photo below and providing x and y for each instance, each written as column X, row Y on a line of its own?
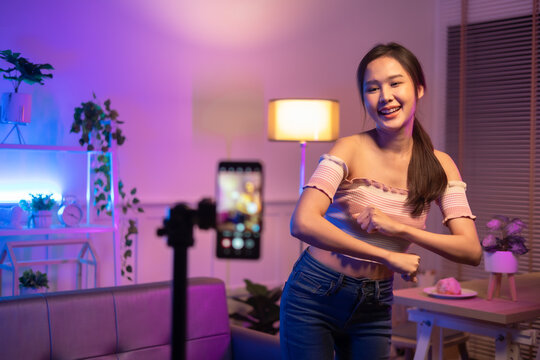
column 249, row 344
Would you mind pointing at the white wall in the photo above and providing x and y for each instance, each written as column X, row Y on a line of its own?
column 191, row 79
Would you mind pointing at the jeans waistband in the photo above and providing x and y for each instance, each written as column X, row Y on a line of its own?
column 311, row 261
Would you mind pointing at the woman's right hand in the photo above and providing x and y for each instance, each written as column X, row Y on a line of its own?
column 403, row 263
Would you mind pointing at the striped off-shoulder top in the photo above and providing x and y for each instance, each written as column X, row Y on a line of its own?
column 349, row 197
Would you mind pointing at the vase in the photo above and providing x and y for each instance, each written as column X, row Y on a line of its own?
column 42, row 218
column 16, row 108
column 29, row 290
column 501, row 262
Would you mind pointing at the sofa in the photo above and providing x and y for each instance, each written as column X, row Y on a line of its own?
column 126, row 323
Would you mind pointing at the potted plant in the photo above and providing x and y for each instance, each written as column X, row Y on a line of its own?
column 98, row 126
column 40, row 209
column 100, row 129
column 31, row 282
column 16, row 107
column 265, row 310
column 503, row 243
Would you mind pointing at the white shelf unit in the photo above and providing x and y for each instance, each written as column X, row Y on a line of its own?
column 13, row 263
column 87, row 255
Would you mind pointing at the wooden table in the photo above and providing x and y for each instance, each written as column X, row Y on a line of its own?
column 497, row 318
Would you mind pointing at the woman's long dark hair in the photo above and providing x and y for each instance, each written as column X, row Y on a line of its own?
column 426, row 179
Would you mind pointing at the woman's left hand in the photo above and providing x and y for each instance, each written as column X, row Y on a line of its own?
column 373, row 220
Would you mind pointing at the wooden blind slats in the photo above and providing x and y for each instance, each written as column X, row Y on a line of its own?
column 497, row 125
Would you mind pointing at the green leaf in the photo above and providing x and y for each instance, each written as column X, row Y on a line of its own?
column 128, row 253
column 133, row 191
column 45, row 67
column 129, row 269
column 255, row 289
column 238, row 316
column 133, row 229
column 129, row 242
column 141, row 210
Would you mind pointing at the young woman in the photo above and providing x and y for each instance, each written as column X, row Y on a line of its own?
column 365, row 203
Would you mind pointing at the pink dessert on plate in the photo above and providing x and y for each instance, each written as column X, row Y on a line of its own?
column 448, row 286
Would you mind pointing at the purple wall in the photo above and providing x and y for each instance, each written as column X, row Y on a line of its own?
column 191, row 79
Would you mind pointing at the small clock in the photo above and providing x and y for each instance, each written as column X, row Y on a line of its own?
column 70, row 214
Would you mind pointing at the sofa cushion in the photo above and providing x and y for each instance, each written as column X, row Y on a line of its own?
column 24, row 328
column 154, row 353
column 143, row 316
column 82, row 324
column 208, row 331
column 216, row 347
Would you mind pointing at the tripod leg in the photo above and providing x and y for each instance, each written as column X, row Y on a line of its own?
column 19, row 134
column 9, row 133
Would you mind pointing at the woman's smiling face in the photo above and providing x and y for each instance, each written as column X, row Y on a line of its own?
column 389, row 94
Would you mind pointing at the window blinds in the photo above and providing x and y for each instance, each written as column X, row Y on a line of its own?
column 500, row 157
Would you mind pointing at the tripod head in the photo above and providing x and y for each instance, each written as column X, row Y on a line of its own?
column 178, row 225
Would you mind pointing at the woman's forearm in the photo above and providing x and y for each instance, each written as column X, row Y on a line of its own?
column 462, row 247
column 319, row 232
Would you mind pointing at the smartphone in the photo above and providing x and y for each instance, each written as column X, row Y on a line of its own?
column 239, row 209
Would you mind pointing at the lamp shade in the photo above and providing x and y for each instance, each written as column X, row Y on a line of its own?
column 303, row 120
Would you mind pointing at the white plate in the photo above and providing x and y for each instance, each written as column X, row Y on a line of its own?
column 465, row 293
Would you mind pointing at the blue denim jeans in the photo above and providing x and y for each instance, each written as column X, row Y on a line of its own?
column 324, row 312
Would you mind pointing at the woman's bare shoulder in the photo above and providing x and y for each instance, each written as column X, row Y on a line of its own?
column 448, row 164
column 348, row 147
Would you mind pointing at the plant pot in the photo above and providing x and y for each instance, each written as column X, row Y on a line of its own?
column 502, row 262
column 16, row 108
column 29, row 290
column 42, row 218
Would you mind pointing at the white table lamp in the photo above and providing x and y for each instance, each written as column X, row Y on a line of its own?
column 303, row 120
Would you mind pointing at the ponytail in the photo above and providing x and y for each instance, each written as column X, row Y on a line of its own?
column 426, row 179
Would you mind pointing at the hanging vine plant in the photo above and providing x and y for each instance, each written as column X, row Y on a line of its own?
column 99, row 127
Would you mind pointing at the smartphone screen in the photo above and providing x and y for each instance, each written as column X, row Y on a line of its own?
column 239, row 209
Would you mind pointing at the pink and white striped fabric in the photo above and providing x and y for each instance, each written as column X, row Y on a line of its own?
column 349, row 197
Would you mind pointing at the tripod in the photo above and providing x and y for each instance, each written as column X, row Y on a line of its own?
column 178, row 227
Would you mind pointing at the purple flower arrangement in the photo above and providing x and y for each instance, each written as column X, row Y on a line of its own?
column 504, row 234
